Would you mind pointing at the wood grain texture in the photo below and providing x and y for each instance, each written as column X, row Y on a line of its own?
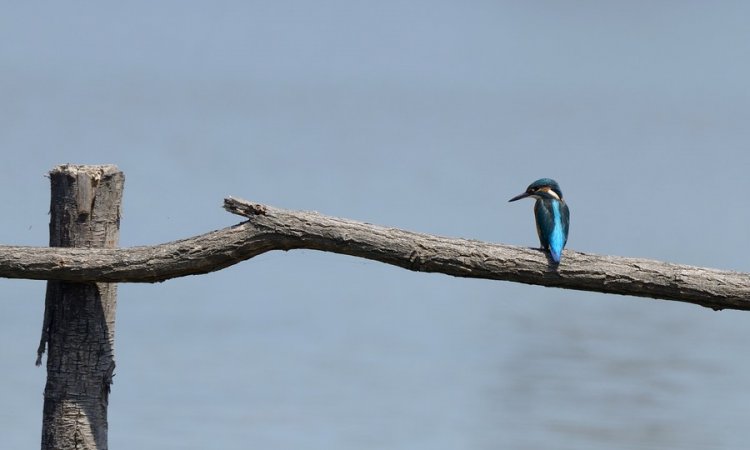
column 269, row 228
column 79, row 318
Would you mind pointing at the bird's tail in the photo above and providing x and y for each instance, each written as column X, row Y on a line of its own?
column 555, row 254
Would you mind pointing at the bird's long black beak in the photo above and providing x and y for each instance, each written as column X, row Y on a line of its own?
column 519, row 197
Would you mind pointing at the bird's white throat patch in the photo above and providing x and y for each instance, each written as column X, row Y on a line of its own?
column 549, row 191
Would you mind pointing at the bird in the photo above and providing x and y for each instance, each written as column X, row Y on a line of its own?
column 551, row 214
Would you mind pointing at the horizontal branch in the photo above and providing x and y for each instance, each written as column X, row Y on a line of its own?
column 277, row 229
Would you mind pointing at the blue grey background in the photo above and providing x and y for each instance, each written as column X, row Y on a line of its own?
column 423, row 115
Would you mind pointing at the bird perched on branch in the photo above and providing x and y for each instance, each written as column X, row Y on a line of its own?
column 551, row 213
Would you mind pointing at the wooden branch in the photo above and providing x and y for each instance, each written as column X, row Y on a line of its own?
column 79, row 318
column 277, row 229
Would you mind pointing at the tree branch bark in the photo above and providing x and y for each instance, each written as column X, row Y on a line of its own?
column 271, row 228
column 79, row 318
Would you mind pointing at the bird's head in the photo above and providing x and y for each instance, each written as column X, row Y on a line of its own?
column 540, row 189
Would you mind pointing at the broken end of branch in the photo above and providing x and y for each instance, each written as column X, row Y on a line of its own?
column 244, row 208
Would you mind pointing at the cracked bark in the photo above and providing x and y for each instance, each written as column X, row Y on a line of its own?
column 83, row 264
column 271, row 228
column 79, row 318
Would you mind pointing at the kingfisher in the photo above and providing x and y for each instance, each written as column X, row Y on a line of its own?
column 551, row 213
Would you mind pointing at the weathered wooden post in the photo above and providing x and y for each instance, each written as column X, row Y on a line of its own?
column 79, row 318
